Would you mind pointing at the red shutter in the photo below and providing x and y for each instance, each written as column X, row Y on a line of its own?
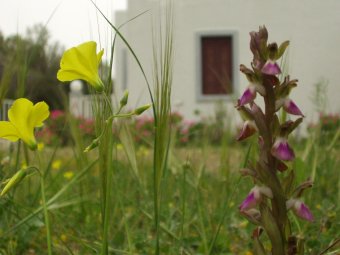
column 216, row 65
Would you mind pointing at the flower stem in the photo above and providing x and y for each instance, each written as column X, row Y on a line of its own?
column 106, row 164
column 47, row 223
column 43, row 198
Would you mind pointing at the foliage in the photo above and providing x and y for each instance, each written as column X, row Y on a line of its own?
column 186, row 132
column 30, row 62
column 328, row 125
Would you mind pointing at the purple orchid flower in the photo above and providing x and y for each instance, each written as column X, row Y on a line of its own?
column 300, row 209
column 248, row 96
column 282, row 150
column 271, row 68
column 249, row 128
column 254, row 197
column 290, row 107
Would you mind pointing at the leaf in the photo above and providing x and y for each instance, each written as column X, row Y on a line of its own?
column 288, row 182
column 282, row 49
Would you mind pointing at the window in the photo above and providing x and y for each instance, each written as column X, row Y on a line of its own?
column 216, row 64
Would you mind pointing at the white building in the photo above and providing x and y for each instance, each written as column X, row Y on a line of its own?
column 312, row 26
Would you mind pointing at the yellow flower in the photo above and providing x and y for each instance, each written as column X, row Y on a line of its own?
column 68, row 175
column 23, row 118
column 63, row 237
column 120, row 147
column 81, row 63
column 56, row 164
column 41, row 146
column 23, row 165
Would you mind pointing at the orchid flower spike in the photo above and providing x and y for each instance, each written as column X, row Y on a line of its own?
column 300, row 209
column 282, row 150
column 82, row 63
column 255, row 197
column 23, row 118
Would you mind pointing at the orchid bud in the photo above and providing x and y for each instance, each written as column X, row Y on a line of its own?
column 272, row 50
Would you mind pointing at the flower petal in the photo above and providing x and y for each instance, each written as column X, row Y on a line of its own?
column 39, row 113
column 282, row 150
column 271, row 68
column 305, row 213
column 83, row 57
column 24, row 117
column 249, row 202
column 70, row 75
column 87, row 53
column 249, row 128
column 302, row 210
column 8, row 131
column 99, row 57
column 18, row 114
column 290, row 107
column 81, row 63
column 266, row 191
column 248, row 96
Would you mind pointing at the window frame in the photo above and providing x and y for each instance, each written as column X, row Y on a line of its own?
column 235, row 74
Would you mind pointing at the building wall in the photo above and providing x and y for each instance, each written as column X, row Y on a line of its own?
column 312, row 26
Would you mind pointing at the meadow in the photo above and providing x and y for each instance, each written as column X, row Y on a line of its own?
column 201, row 191
column 144, row 181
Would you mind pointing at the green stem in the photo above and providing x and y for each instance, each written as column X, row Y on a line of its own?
column 106, row 223
column 156, row 207
column 47, row 223
column 44, row 204
column 107, row 162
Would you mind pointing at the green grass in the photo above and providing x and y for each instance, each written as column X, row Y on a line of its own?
column 199, row 191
